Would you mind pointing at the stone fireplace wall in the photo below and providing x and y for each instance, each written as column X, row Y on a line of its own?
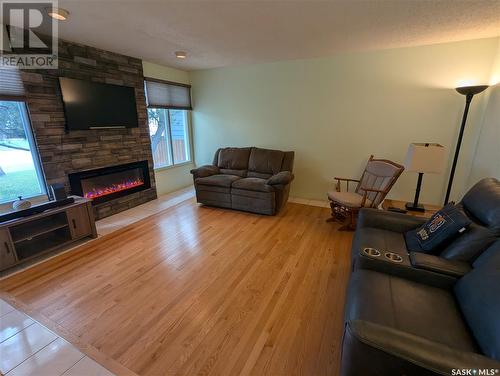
column 64, row 152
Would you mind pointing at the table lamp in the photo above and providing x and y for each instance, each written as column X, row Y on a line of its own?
column 423, row 158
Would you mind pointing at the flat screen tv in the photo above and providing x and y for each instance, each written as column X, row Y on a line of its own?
column 91, row 105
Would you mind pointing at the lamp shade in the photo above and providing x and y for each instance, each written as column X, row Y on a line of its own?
column 425, row 158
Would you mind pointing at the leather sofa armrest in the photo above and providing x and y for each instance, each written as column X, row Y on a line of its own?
column 281, row 178
column 370, row 348
column 439, row 265
column 204, row 171
column 388, row 220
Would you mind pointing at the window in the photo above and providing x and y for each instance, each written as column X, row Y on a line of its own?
column 20, row 172
column 169, row 136
column 168, row 110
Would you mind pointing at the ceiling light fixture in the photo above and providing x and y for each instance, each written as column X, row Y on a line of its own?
column 180, row 54
column 59, row 14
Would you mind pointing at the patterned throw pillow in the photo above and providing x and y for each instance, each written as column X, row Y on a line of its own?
column 443, row 226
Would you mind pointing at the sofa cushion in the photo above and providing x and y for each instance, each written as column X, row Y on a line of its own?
column 265, row 161
column 469, row 245
column 411, row 307
column 350, row 199
column 227, row 171
column 253, row 184
column 482, row 201
column 218, row 180
column 233, row 158
column 443, row 226
column 478, row 294
column 260, row 175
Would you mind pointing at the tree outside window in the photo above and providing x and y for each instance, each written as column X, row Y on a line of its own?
column 20, row 171
column 169, row 136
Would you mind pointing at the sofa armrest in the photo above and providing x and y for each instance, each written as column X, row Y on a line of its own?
column 388, row 221
column 204, row 171
column 370, row 348
column 438, row 264
column 281, row 178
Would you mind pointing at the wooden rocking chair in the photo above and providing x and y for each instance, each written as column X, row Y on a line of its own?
column 375, row 183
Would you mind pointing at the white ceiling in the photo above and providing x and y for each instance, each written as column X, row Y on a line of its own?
column 223, row 33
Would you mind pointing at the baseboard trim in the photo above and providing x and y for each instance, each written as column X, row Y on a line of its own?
column 304, row 201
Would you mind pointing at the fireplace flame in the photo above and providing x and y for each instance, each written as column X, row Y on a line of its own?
column 113, row 188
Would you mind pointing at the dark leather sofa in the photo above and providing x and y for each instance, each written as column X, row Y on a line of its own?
column 249, row 179
column 385, row 230
column 425, row 314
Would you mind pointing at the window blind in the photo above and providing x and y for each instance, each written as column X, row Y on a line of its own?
column 164, row 94
column 11, row 84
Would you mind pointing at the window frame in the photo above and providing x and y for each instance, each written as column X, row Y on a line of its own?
column 167, row 106
column 37, row 162
column 170, row 148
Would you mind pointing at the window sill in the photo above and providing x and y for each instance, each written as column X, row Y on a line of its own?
column 173, row 166
column 6, row 207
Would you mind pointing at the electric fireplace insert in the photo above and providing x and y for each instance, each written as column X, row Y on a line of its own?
column 105, row 184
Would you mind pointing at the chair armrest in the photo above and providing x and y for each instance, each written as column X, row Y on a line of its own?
column 388, row 220
column 383, row 350
column 439, row 265
column 281, row 178
column 204, row 171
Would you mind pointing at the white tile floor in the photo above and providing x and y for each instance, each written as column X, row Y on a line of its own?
column 28, row 348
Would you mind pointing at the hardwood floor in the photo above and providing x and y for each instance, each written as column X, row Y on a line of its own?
column 197, row 290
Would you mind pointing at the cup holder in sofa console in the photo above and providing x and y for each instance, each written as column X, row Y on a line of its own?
column 371, row 252
column 394, row 257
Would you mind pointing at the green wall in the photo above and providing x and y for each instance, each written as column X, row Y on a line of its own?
column 334, row 112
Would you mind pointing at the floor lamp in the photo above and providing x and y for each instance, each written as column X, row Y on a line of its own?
column 469, row 92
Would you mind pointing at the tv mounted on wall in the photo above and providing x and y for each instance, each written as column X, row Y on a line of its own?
column 91, row 105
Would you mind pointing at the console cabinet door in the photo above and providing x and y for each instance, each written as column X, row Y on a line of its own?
column 7, row 256
column 79, row 222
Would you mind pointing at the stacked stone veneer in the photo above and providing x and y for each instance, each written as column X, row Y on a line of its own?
column 64, row 152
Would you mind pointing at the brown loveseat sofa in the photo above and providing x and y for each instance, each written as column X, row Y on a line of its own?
column 250, row 179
